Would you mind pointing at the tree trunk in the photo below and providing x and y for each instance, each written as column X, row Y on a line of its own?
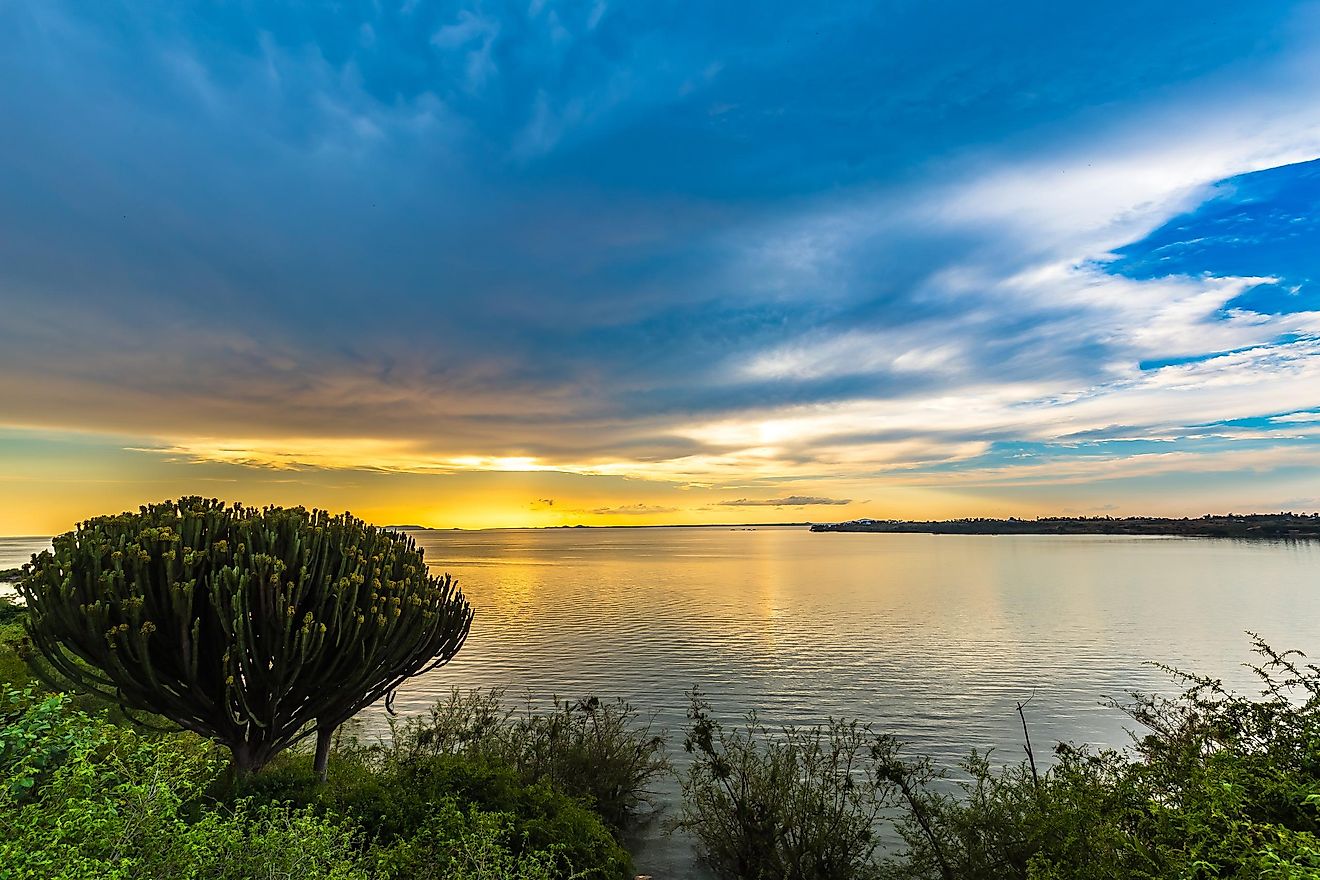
column 244, row 760
column 324, row 738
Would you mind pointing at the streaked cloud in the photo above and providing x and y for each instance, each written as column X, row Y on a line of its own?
column 638, row 509
column 787, row 501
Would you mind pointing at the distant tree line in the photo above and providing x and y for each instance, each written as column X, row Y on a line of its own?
column 1256, row 525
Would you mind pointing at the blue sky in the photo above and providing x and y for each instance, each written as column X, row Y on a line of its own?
column 648, row 260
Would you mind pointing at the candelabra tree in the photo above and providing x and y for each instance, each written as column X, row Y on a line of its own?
column 252, row 627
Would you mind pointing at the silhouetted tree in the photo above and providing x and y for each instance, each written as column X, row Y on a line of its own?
column 255, row 628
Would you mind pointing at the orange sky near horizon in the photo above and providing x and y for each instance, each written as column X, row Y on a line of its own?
column 540, row 265
column 52, row 481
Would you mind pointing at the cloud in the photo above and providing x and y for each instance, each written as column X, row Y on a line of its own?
column 1063, row 471
column 466, row 28
column 787, row 501
column 402, row 257
column 461, row 35
column 638, row 509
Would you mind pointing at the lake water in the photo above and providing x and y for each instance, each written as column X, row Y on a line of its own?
column 16, row 551
column 932, row 637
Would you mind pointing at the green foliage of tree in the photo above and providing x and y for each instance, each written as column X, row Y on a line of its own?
column 254, row 628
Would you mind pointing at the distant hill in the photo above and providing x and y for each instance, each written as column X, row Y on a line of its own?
column 1258, row 525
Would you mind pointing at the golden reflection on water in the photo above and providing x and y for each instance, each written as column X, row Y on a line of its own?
column 920, row 628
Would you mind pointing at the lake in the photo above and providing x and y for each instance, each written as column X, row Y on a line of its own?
column 932, row 637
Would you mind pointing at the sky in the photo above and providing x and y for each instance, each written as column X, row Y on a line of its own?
column 539, row 263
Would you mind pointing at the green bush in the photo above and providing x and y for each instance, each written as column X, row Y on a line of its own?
column 786, row 804
column 1222, row 785
column 83, row 799
column 475, row 845
column 1007, row 823
column 14, row 670
column 11, row 612
column 408, row 799
column 602, row 752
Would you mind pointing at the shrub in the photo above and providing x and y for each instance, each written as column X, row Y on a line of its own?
column 253, row 628
column 1221, row 785
column 472, row 846
column 788, row 804
column 412, row 803
column 11, row 612
column 14, row 670
column 599, row 751
column 82, row 799
column 1006, row 823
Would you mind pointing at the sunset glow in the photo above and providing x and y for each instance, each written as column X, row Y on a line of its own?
column 546, row 265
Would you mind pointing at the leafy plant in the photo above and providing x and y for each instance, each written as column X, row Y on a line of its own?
column 1219, row 785
column 473, row 846
column 11, row 612
column 603, row 752
column 417, row 805
column 254, row 628
column 14, row 670
column 82, row 799
column 790, row 804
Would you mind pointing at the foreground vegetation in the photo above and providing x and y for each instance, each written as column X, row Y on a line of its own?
column 83, row 798
column 473, row 791
column 1220, row 785
column 256, row 630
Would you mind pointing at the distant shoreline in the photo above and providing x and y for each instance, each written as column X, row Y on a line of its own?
column 780, row 525
column 1261, row 525
column 1267, row 526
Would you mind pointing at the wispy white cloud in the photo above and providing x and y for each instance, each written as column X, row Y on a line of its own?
column 475, row 35
column 786, row 501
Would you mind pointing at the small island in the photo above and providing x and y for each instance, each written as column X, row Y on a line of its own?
column 1256, row 525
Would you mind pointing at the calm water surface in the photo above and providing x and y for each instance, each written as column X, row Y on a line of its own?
column 16, row 551
column 933, row 637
